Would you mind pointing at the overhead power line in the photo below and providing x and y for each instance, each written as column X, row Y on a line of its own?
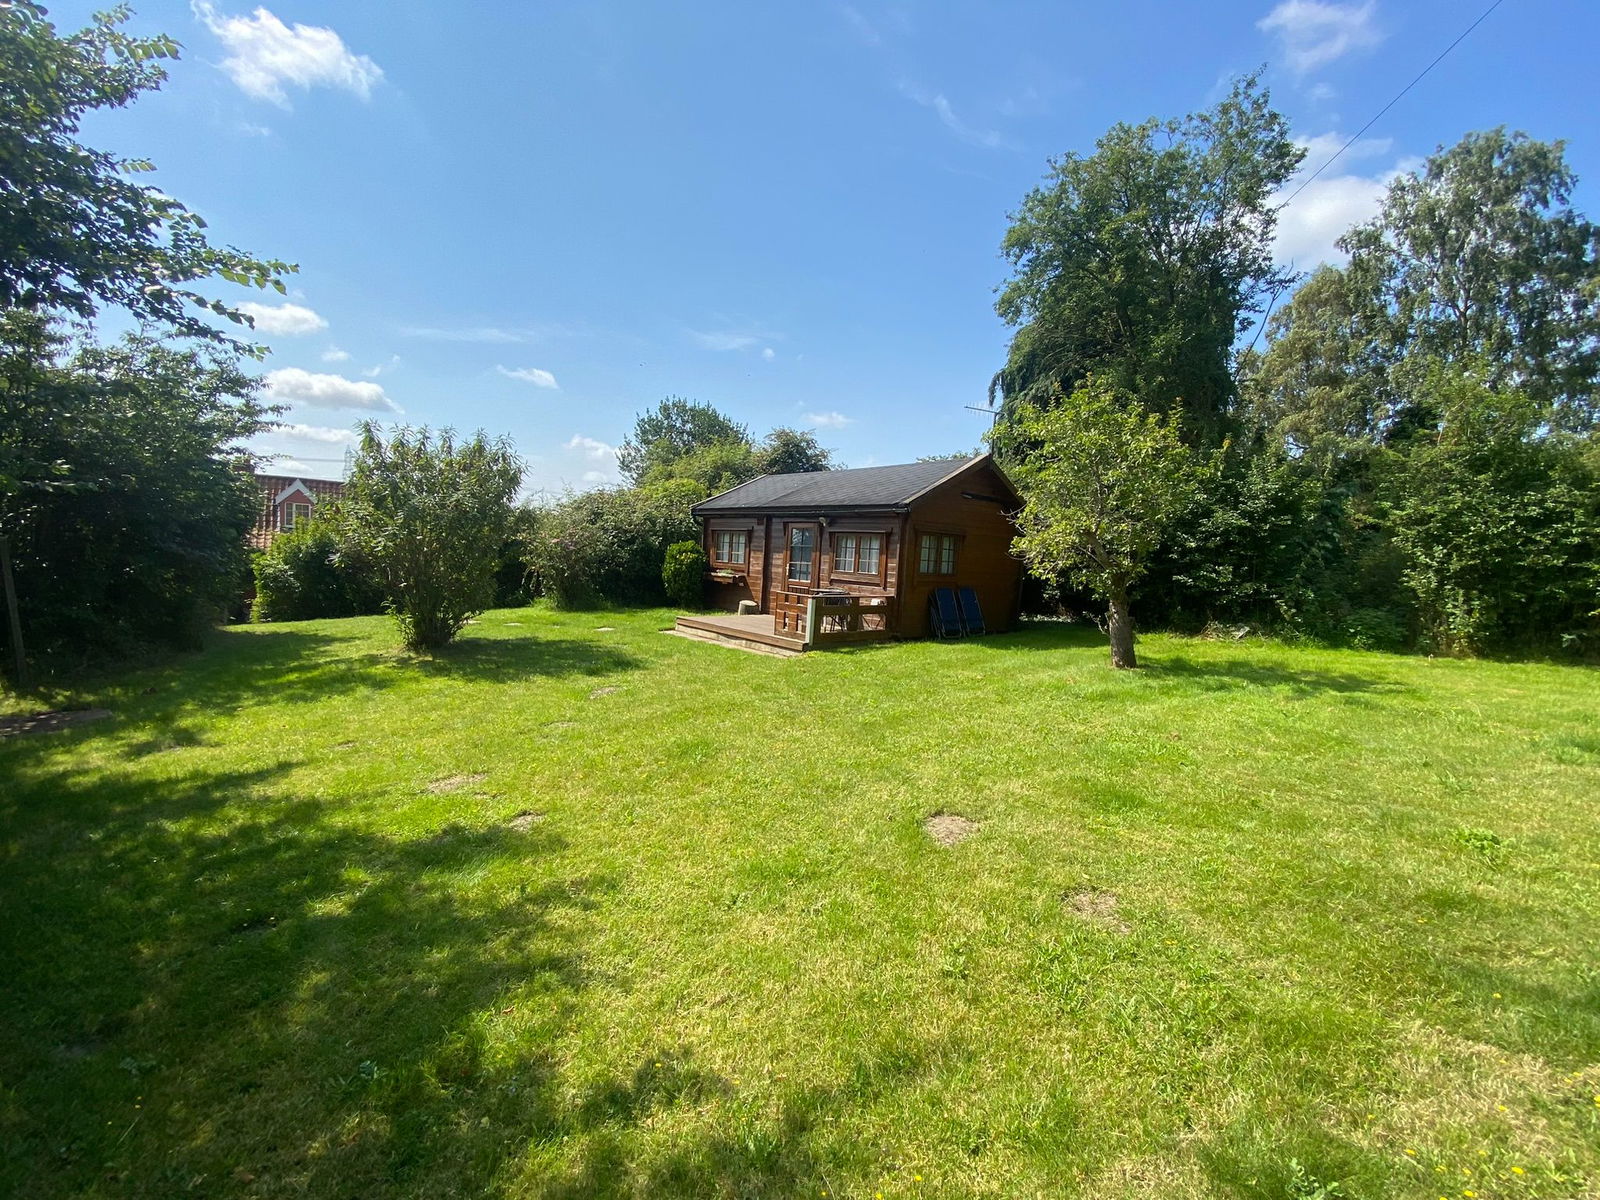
column 1305, row 183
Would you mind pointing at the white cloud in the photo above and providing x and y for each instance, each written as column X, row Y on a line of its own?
column 598, row 477
column 769, row 354
column 592, row 448
column 533, row 375
column 863, row 28
column 724, row 340
column 251, row 129
column 1314, row 33
column 487, row 334
column 334, row 354
column 974, row 136
column 1330, row 204
column 828, row 420
column 286, row 320
column 382, row 368
column 291, row 385
column 318, row 433
column 264, row 54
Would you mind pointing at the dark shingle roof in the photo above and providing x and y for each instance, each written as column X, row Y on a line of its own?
column 862, row 487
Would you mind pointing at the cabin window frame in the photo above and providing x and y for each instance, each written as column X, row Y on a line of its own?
column 813, row 564
column 835, row 571
column 952, row 543
column 742, row 532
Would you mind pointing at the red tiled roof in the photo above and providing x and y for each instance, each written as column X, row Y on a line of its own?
column 266, row 526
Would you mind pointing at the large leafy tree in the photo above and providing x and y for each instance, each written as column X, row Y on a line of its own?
column 1142, row 262
column 1499, row 530
column 673, row 429
column 124, row 486
column 787, row 451
column 1478, row 262
column 1101, row 482
column 429, row 512
column 77, row 231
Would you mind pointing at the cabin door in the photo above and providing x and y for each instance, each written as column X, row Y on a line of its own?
column 801, row 557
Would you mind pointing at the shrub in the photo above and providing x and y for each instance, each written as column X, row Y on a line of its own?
column 683, row 574
column 304, row 575
column 430, row 514
column 608, row 545
column 1374, row 629
column 124, row 489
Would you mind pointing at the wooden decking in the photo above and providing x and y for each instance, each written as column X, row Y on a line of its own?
column 754, row 632
column 799, row 622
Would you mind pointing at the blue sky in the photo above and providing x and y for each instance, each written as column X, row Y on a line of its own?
column 539, row 219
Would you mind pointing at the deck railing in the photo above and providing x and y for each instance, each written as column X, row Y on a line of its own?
column 827, row 619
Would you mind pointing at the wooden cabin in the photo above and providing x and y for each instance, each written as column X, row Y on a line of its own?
column 853, row 555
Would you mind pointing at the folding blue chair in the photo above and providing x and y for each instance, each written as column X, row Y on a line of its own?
column 943, row 614
column 971, row 614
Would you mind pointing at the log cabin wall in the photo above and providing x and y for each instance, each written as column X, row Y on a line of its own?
column 749, row 583
column 881, row 582
column 983, row 561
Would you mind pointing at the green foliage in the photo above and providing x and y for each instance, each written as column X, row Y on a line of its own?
column 1102, row 483
column 124, row 487
column 787, row 451
column 1479, row 262
column 1255, row 543
column 79, row 232
column 1499, row 528
column 674, row 428
column 305, row 574
column 430, row 514
column 1142, row 262
column 686, row 440
column 608, row 545
column 683, row 574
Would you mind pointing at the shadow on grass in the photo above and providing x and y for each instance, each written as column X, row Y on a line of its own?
column 1230, row 674
column 197, row 1002
column 218, row 986
column 293, row 666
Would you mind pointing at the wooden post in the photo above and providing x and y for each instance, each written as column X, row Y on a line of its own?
column 13, row 612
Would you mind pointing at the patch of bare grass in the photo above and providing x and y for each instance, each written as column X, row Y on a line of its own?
column 949, row 829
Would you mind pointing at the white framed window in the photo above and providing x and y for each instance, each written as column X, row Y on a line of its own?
column 802, row 550
column 858, row 553
column 730, row 546
column 936, row 554
column 294, row 515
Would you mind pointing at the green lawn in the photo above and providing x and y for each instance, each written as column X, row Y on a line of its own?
column 570, row 912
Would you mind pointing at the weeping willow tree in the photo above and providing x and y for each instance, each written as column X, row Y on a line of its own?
column 1142, row 262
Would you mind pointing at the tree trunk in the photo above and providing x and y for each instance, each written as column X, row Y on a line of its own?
column 1120, row 623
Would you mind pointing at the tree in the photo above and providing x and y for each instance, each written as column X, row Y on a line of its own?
column 675, row 428
column 124, row 485
column 1499, row 529
column 787, row 451
column 1479, row 261
column 1142, row 262
column 1101, row 482
column 683, row 574
column 430, row 514
column 75, row 231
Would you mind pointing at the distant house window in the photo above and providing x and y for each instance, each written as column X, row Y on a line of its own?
column 936, row 554
column 730, row 547
column 802, row 549
column 858, row 553
column 294, row 514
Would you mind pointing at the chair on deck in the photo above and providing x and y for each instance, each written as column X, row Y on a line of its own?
column 971, row 614
column 943, row 615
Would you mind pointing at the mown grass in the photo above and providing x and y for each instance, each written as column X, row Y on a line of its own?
column 272, row 931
